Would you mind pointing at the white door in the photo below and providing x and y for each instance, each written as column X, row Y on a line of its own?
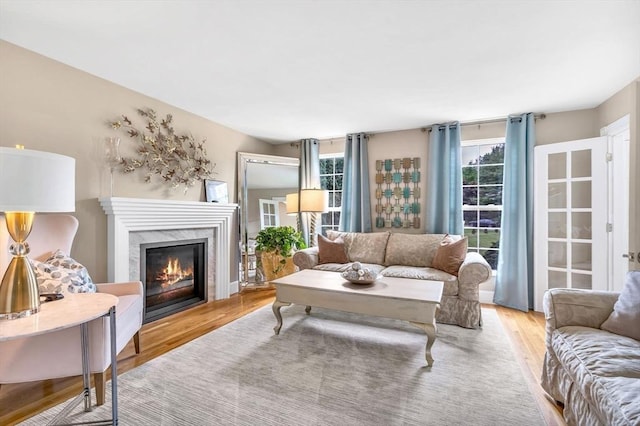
column 570, row 216
column 617, row 135
column 581, row 212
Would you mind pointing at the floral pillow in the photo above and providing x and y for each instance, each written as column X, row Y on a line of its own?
column 62, row 274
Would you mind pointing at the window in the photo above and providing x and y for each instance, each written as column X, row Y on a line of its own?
column 331, row 169
column 482, row 168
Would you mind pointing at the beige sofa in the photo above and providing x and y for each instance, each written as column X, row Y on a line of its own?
column 411, row 256
column 593, row 372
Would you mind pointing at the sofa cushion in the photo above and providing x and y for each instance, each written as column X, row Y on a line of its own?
column 450, row 254
column 331, row 251
column 625, row 318
column 412, row 249
column 416, row 273
column 364, row 247
column 606, row 369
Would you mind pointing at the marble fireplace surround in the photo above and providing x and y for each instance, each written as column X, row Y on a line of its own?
column 130, row 220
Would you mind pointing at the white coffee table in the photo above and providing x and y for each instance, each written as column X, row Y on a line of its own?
column 404, row 299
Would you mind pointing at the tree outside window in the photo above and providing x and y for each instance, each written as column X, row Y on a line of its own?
column 482, row 171
column 331, row 171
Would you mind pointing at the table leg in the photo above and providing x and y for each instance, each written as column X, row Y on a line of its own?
column 276, row 311
column 86, row 380
column 431, row 330
column 114, row 366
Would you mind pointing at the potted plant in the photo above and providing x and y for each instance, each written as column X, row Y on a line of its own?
column 274, row 247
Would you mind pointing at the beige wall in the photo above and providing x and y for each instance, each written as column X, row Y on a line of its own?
column 48, row 106
column 627, row 101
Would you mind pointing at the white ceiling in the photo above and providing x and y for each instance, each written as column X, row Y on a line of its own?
column 290, row 69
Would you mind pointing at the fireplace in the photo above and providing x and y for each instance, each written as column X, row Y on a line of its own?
column 174, row 275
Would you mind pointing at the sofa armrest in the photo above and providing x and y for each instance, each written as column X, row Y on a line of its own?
column 121, row 289
column 587, row 308
column 473, row 271
column 306, row 258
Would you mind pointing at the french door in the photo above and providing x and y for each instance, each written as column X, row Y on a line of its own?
column 581, row 213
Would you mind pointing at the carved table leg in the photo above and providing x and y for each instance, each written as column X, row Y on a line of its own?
column 276, row 311
column 307, row 309
column 430, row 329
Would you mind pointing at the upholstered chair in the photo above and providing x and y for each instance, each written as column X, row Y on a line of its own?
column 57, row 354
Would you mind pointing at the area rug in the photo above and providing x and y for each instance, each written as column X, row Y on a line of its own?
column 327, row 368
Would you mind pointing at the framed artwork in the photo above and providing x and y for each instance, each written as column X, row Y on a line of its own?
column 216, row 191
column 398, row 193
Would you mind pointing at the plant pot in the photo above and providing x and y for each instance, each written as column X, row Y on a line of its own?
column 271, row 266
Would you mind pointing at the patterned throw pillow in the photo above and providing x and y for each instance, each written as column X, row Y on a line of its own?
column 331, row 251
column 62, row 274
column 450, row 255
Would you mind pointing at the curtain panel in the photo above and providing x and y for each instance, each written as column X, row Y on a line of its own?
column 444, row 177
column 514, row 276
column 308, row 178
column 355, row 213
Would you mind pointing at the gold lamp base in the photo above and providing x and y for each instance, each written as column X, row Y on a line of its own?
column 19, row 295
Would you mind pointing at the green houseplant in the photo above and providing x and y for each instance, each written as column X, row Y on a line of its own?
column 275, row 246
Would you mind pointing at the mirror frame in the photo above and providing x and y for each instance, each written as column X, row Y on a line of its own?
column 244, row 159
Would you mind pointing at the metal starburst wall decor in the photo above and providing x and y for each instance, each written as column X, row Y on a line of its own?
column 177, row 159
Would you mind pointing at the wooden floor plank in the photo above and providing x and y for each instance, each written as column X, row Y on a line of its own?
column 20, row 401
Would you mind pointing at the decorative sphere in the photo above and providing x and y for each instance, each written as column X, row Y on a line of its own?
column 356, row 266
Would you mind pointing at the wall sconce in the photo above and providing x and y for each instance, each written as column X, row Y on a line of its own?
column 30, row 182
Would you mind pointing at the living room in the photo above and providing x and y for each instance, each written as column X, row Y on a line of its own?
column 50, row 104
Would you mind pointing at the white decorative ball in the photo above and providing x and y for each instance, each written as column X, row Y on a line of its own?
column 356, row 266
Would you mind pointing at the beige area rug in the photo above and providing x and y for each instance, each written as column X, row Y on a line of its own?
column 327, row 368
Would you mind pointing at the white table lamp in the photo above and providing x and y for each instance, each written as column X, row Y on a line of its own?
column 30, row 182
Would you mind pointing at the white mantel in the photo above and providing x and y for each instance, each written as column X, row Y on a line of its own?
column 125, row 215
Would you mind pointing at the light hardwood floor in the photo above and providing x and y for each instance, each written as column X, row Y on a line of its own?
column 21, row 401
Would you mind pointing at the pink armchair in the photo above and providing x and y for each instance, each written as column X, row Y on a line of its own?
column 58, row 354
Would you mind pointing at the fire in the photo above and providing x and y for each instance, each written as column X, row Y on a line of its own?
column 173, row 272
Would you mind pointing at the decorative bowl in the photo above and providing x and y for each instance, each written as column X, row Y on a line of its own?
column 367, row 277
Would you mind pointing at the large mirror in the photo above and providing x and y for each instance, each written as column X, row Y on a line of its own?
column 263, row 183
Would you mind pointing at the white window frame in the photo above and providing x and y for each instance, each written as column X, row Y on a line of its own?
column 333, row 209
column 477, row 208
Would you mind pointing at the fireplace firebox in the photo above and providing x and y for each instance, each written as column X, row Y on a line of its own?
column 174, row 276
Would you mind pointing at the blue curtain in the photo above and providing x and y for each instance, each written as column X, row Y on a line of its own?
column 309, row 178
column 355, row 213
column 444, row 181
column 514, row 276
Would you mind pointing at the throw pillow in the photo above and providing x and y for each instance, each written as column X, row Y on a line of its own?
column 625, row 318
column 62, row 274
column 331, row 251
column 450, row 254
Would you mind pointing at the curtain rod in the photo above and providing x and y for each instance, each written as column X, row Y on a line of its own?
column 489, row 121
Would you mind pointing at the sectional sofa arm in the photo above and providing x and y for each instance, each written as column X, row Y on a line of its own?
column 474, row 270
column 307, row 258
column 587, row 308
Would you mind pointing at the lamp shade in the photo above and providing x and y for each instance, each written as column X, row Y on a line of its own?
column 36, row 181
column 314, row 200
column 291, row 201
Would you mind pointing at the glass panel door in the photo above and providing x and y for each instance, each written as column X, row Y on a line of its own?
column 570, row 216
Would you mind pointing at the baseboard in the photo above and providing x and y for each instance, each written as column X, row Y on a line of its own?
column 486, row 296
column 234, row 287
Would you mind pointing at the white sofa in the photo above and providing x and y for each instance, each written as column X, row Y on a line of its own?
column 411, row 256
column 593, row 372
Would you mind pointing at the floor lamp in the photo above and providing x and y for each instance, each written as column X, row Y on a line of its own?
column 30, row 182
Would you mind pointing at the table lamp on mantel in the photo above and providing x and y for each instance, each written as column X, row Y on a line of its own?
column 30, row 182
